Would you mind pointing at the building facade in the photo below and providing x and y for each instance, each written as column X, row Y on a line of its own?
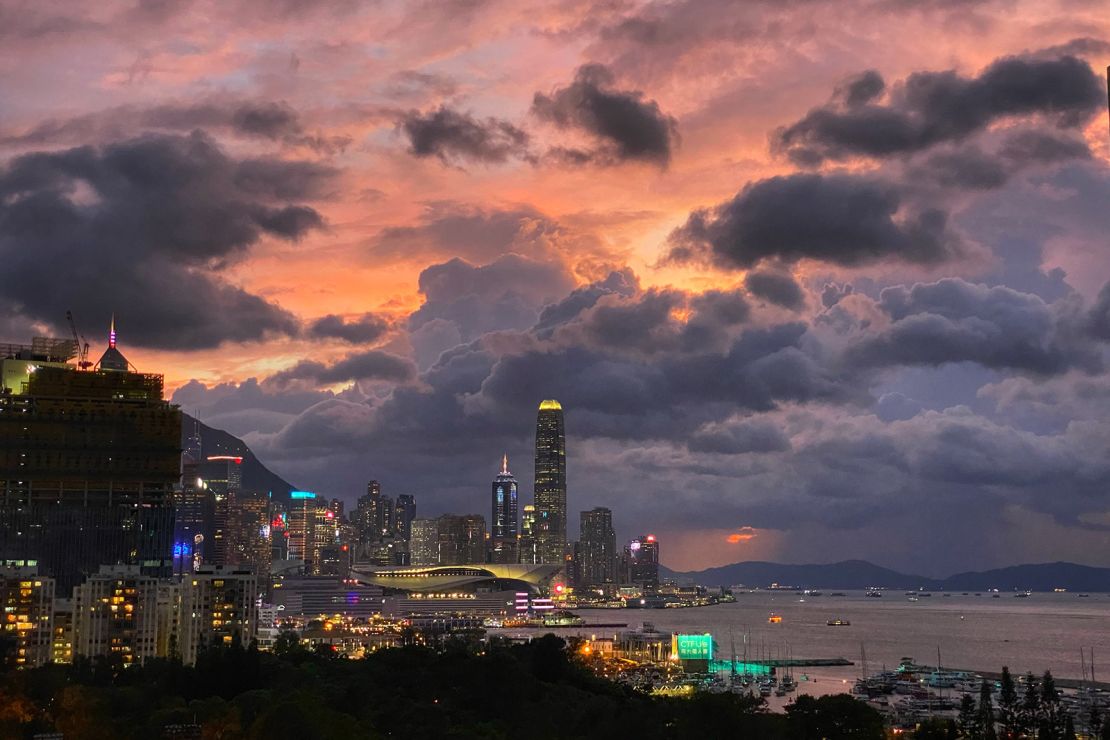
column 27, row 600
column 597, row 549
column 551, row 483
column 89, row 459
column 505, row 519
column 424, row 542
column 643, row 559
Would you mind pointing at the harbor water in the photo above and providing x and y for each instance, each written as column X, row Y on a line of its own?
column 1043, row 631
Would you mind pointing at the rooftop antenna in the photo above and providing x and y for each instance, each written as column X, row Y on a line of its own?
column 505, row 464
column 112, row 332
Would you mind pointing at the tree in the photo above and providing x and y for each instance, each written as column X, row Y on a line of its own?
column 836, row 716
column 968, row 719
column 986, row 713
column 1029, row 714
column 1007, row 704
column 936, row 728
column 1053, row 716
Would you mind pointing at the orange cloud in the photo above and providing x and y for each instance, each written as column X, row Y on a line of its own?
column 743, row 535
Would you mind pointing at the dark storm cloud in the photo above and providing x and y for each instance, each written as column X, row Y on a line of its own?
column 840, row 219
column 141, row 228
column 370, row 365
column 453, row 136
column 623, row 283
column 629, row 127
column 955, row 321
column 776, row 287
column 263, row 119
column 832, row 293
column 358, row 330
column 929, row 108
column 1099, row 317
column 971, row 167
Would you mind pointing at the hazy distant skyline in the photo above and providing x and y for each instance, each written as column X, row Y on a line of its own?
column 812, row 280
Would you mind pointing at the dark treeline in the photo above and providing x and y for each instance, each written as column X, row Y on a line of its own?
column 464, row 690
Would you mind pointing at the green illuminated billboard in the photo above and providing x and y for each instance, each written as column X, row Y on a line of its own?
column 695, row 647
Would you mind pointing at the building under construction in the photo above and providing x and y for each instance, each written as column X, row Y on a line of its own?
column 89, row 455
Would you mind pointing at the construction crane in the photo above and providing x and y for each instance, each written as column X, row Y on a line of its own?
column 79, row 344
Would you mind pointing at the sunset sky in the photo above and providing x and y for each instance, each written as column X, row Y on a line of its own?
column 812, row 280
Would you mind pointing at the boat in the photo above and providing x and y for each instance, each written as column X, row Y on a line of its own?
column 838, row 593
column 838, row 623
column 1023, row 594
column 874, row 593
column 774, row 618
column 912, row 598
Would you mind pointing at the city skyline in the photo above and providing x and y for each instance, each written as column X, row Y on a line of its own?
column 812, row 281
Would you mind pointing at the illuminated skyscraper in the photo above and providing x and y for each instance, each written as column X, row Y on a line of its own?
column 403, row 514
column 551, row 483
column 597, row 549
column 505, row 522
column 643, row 554
column 527, row 546
column 424, row 542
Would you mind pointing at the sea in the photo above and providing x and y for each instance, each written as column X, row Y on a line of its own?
column 974, row 632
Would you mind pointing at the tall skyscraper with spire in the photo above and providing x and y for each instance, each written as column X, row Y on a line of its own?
column 505, row 522
column 551, row 483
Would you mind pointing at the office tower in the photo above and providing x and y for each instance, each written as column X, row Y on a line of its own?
column 462, row 539
column 527, row 547
column 115, row 613
column 27, row 601
column 325, row 536
column 88, row 463
column 223, row 476
column 405, row 512
column 424, row 542
column 597, row 549
column 300, row 523
column 551, row 483
column 61, row 651
column 248, row 532
column 219, row 606
column 504, row 524
column 643, row 555
column 194, row 508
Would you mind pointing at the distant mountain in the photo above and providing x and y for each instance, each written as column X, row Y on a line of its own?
column 256, row 476
column 848, row 574
column 1041, row 577
column 857, row 574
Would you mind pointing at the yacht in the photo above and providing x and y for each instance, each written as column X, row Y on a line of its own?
column 838, row 623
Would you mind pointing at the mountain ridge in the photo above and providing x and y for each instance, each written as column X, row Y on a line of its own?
column 256, row 476
column 858, row 574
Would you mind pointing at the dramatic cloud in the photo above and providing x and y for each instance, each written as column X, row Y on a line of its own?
column 142, row 228
column 956, row 321
column 841, row 219
column 928, row 108
column 628, row 127
column 370, row 365
column 453, row 136
column 358, row 330
column 776, row 287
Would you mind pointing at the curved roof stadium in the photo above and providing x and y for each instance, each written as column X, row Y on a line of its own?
column 441, row 578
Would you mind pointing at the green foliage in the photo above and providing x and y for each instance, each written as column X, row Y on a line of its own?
column 463, row 690
column 835, row 717
column 936, row 728
column 1007, row 703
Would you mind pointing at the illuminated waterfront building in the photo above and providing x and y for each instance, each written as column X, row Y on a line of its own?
column 89, row 459
column 527, row 547
column 505, row 522
column 597, row 549
column 551, row 483
column 27, row 600
column 643, row 556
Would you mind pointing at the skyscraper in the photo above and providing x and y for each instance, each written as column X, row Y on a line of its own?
column 551, row 483
column 88, row 463
column 404, row 512
column 424, row 542
column 462, row 539
column 643, row 554
column 597, row 549
column 505, row 522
